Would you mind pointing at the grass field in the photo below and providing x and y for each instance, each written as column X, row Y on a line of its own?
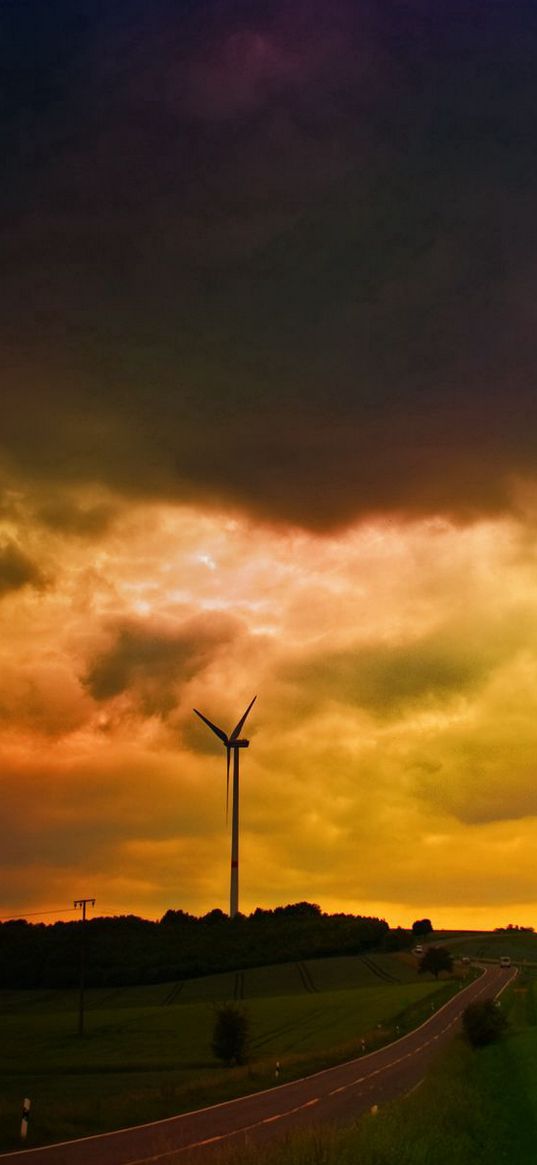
column 476, row 1107
column 147, row 1050
column 520, row 947
column 309, row 976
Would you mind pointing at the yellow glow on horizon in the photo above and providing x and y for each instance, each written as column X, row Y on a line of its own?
column 391, row 768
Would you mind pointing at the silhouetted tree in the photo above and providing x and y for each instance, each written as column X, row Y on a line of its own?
column 422, row 926
column 177, row 918
column 299, row 910
column 436, row 959
column 396, row 940
column 231, row 1034
column 215, row 916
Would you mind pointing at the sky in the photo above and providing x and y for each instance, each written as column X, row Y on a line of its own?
column 268, row 427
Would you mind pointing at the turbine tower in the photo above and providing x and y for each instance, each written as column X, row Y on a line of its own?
column 232, row 744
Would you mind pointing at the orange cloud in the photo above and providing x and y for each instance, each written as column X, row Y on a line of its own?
column 391, row 752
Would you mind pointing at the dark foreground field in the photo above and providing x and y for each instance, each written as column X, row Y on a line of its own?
column 472, row 1110
column 336, row 1096
column 147, row 1053
column 475, row 1107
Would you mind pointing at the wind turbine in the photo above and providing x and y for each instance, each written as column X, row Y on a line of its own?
column 232, row 743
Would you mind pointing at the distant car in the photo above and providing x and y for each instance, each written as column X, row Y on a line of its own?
column 465, row 959
column 505, row 961
column 418, row 950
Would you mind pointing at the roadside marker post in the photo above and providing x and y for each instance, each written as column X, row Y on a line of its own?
column 25, row 1114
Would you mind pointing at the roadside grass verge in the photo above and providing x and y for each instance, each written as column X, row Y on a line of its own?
column 474, row 1108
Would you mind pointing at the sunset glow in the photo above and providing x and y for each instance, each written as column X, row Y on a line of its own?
column 392, row 740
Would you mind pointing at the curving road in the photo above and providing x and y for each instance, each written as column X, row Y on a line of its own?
column 337, row 1094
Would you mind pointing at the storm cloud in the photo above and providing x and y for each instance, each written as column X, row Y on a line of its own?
column 151, row 664
column 272, row 256
column 17, row 570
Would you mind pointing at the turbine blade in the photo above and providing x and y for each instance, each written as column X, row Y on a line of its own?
column 217, row 731
column 238, row 727
column 228, row 751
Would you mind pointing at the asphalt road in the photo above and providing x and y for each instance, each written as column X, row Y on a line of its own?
column 338, row 1094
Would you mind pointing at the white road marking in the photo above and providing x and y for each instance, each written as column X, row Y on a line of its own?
column 414, row 1088
column 224, row 1136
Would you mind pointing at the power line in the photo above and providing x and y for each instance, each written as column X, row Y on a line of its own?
column 36, row 913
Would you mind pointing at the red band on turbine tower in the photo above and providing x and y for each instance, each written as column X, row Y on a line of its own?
column 234, row 865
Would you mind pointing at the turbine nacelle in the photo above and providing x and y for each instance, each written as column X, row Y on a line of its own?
column 231, row 741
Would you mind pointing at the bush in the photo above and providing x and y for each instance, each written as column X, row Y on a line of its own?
column 422, row 926
column 435, row 960
column 483, row 1022
column 231, row 1034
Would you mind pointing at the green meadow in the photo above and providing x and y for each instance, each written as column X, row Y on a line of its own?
column 521, row 947
column 146, row 1051
column 476, row 1107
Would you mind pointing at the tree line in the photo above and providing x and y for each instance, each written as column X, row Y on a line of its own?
column 125, row 949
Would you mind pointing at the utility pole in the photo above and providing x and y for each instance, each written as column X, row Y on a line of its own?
column 81, row 903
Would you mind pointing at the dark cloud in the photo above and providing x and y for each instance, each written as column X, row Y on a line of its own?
column 67, row 517
column 384, row 679
column 17, row 570
column 489, row 801
column 152, row 665
column 277, row 255
column 481, row 773
column 387, row 678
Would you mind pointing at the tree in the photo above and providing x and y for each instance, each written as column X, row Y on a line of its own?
column 396, row 940
column 422, row 926
column 177, row 918
column 299, row 910
column 436, row 959
column 231, row 1034
column 483, row 1022
column 215, row 917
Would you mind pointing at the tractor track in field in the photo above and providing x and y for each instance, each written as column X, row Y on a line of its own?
column 238, row 985
column 307, row 981
column 173, row 994
column 385, row 976
column 285, row 1028
column 99, row 1004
